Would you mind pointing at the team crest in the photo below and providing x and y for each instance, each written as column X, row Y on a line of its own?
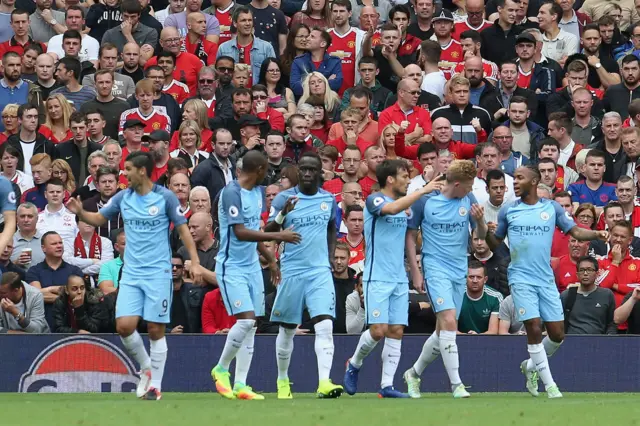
column 454, row 54
column 276, row 313
column 462, row 211
column 233, row 211
column 351, row 44
column 408, row 48
column 632, row 267
column 522, row 311
column 440, row 301
column 353, row 253
column 324, row 206
column 560, row 180
column 153, row 210
column 544, row 216
column 376, row 313
column 237, row 303
column 155, row 126
column 604, row 198
column 568, row 215
column 377, row 201
column 12, row 197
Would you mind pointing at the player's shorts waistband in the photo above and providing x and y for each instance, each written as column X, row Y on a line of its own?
column 305, row 273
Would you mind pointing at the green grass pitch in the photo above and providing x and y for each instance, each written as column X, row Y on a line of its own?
column 483, row 409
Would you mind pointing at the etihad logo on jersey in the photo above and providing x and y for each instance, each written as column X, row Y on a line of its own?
column 311, row 220
column 449, row 228
column 530, row 230
column 395, row 221
column 142, row 224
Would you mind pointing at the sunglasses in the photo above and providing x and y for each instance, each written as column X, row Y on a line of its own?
column 206, row 81
column 224, row 69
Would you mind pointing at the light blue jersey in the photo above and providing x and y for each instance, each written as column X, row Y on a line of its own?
column 384, row 236
column 530, row 231
column 237, row 205
column 310, row 218
column 147, row 219
column 445, row 234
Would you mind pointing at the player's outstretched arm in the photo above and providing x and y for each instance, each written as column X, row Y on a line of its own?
column 405, row 202
column 582, row 234
column 492, row 241
column 410, row 250
column 94, row 219
column 245, row 234
column 275, row 225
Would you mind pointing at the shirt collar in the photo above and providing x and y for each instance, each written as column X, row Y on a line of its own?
column 3, row 83
column 574, row 18
column 60, row 212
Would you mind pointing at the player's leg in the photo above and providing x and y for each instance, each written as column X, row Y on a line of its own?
column 320, row 299
column 398, row 318
column 245, row 353
column 238, row 301
column 551, row 312
column 129, row 308
column 156, row 311
column 287, row 311
column 376, row 308
column 448, row 331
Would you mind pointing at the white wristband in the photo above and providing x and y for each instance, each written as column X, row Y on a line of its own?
column 279, row 218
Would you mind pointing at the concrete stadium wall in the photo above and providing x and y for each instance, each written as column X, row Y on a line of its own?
column 97, row 363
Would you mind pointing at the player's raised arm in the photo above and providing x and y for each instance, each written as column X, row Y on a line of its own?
column 494, row 239
column 583, row 234
column 94, row 219
column 278, row 212
column 407, row 201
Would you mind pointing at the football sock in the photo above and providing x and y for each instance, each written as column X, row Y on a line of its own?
column 244, row 357
column 390, row 360
column 365, row 345
column 539, row 357
column 430, row 352
column 236, row 336
column 449, row 352
column 135, row 347
column 158, row 360
column 284, row 349
column 324, row 348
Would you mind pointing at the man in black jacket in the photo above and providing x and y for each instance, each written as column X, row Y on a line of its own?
column 496, row 99
column 28, row 119
column 241, row 101
column 561, row 101
column 76, row 152
column 186, row 305
column 219, row 169
column 618, row 96
column 499, row 40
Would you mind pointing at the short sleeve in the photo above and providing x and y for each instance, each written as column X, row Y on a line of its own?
column 575, row 196
column 334, row 206
column 282, row 24
column 173, row 210
column 505, row 311
column 231, row 203
column 276, row 206
column 375, row 203
column 503, row 225
column 213, row 25
column 417, row 211
column 112, row 208
column 564, row 221
column 495, row 305
column 7, row 196
column 33, row 274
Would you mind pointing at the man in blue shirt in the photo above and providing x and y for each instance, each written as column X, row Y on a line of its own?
column 386, row 287
column 316, row 60
column 529, row 223
column 307, row 279
column 593, row 189
column 13, row 89
column 239, row 273
column 445, row 218
column 146, row 287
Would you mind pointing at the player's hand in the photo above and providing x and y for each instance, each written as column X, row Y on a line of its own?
column 197, row 273
column 8, row 306
column 636, row 294
column 433, row 185
column 302, row 331
column 428, row 172
column 491, row 227
column 418, row 282
column 477, row 213
column 288, row 236
column 276, row 277
column 77, row 301
column 74, row 205
column 603, row 235
column 616, row 254
column 178, row 329
column 289, row 205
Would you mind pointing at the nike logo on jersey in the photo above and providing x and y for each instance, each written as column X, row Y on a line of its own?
column 598, row 305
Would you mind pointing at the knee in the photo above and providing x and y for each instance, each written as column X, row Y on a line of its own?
column 395, row 332
column 125, row 329
column 378, row 331
column 556, row 336
column 156, row 331
column 447, row 320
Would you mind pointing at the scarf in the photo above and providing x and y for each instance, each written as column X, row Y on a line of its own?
column 95, row 247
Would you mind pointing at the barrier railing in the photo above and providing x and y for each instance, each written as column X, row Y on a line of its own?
column 97, row 363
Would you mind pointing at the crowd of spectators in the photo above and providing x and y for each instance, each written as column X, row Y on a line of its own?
column 199, row 84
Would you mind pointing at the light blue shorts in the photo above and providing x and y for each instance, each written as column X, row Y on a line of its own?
column 386, row 302
column 149, row 299
column 533, row 301
column 313, row 290
column 242, row 292
column 445, row 293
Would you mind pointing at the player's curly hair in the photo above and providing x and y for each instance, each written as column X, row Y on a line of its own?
column 461, row 170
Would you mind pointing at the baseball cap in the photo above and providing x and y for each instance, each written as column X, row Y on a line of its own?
column 132, row 123
column 157, row 135
column 526, row 37
column 444, row 15
column 249, row 120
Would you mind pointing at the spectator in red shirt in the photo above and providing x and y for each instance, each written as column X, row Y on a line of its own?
column 560, row 245
column 442, row 134
column 354, row 221
column 159, row 147
column 400, row 15
column 564, row 267
column 351, row 160
column 179, row 91
column 195, row 41
column 215, row 319
column 349, row 120
column 265, row 112
column 20, row 26
column 187, row 64
column 132, row 130
column 373, row 157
